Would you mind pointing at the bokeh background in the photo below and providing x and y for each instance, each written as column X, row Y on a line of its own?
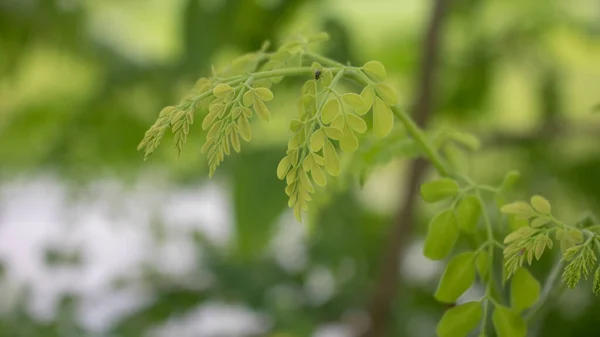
column 96, row 242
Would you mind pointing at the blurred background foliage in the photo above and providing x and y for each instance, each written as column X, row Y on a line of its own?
column 96, row 242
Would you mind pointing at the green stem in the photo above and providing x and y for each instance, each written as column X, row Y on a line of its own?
column 418, row 134
column 297, row 71
column 324, row 60
column 491, row 242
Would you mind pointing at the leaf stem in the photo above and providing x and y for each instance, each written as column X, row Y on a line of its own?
column 486, row 304
column 418, row 134
column 491, row 244
column 296, row 71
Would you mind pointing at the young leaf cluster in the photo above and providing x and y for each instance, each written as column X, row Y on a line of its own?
column 329, row 120
column 578, row 246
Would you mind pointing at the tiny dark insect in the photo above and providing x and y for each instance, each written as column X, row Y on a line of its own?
column 317, row 74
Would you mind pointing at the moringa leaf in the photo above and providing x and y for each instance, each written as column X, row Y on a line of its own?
column 460, row 320
column 442, row 234
column 437, row 190
column 541, row 205
column 468, row 212
column 507, row 323
column 524, row 290
column 375, row 69
column 457, row 278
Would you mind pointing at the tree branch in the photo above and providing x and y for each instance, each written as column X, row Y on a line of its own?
column 387, row 285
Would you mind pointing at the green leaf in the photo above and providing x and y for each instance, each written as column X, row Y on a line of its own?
column 507, row 323
column 437, row 190
column 209, row 119
column 247, row 112
column 261, row 110
column 283, row 167
column 349, row 142
column 355, row 101
column 540, row 221
column 356, row 123
column 468, row 212
column 235, row 142
column 541, row 205
column 524, row 290
column 318, row 175
column 216, row 107
column 457, row 278
column 202, row 85
column 222, row 90
column 332, row 163
column 510, row 179
column 383, row 118
column 441, row 236
column 569, row 238
column 522, row 232
column 236, row 112
column 326, row 78
column 541, row 242
column 333, row 133
column 308, row 162
column 305, row 181
column 317, row 140
column 330, row 110
column 520, row 209
column 248, row 98
column 596, row 286
column 338, row 123
column 214, row 130
column 244, row 127
column 368, row 95
column 264, row 94
column 466, row 139
column 482, row 262
column 296, row 125
column 387, row 94
column 460, row 320
column 375, row 69
column 515, row 223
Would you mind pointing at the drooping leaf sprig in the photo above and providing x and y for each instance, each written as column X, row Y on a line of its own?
column 327, row 122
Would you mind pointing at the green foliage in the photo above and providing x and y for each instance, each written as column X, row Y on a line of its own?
column 582, row 259
column 441, row 235
column 524, row 290
column 468, row 212
column 326, row 116
column 457, row 278
column 330, row 120
column 531, row 241
column 507, row 323
column 460, row 320
column 439, row 189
